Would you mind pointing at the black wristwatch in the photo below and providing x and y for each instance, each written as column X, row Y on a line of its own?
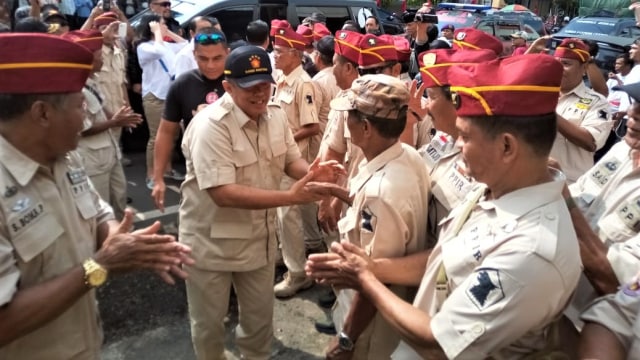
column 344, row 342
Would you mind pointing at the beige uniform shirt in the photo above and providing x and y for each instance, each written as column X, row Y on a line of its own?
column 338, row 139
column 388, row 218
column 511, row 270
column 223, row 146
column 111, row 78
column 48, row 222
column 449, row 182
column 325, row 90
column 619, row 313
column 295, row 93
column 100, row 152
column 589, row 110
column 609, row 197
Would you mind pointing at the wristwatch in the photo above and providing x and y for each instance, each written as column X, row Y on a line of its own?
column 94, row 274
column 344, row 342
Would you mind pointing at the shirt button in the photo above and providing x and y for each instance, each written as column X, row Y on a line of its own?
column 477, row 328
column 550, row 216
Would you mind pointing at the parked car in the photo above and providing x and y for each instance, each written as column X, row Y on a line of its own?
column 502, row 27
column 610, row 26
column 234, row 15
column 614, row 36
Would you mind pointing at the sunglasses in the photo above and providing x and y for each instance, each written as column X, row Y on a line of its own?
column 206, row 39
column 163, row 4
column 375, row 70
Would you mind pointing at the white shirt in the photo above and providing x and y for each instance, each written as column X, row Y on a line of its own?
column 185, row 60
column 615, row 97
column 632, row 78
column 155, row 79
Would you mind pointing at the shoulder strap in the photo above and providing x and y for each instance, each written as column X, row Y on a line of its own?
column 442, row 281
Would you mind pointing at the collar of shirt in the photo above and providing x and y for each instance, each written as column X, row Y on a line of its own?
column 367, row 169
column 513, row 205
column 21, row 167
column 581, row 90
column 293, row 76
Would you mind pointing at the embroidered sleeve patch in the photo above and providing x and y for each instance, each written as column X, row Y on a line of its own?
column 486, row 289
column 368, row 221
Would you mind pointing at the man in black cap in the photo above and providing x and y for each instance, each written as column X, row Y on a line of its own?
column 237, row 151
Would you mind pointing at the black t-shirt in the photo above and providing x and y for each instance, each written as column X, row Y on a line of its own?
column 187, row 92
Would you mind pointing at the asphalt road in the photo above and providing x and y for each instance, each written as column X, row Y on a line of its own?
column 145, row 319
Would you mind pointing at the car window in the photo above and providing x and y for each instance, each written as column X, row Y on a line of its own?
column 589, row 27
column 486, row 26
column 234, row 20
column 269, row 12
column 504, row 30
column 336, row 15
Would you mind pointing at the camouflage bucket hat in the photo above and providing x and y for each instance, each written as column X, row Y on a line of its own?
column 380, row 96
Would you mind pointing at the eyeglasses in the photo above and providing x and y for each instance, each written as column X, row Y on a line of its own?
column 206, row 39
column 375, row 70
column 163, row 4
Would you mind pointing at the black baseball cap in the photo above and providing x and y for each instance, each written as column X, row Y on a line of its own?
column 632, row 89
column 248, row 65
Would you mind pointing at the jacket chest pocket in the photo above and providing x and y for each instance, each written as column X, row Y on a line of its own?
column 245, row 161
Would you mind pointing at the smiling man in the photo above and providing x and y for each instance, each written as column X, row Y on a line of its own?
column 187, row 95
column 237, row 152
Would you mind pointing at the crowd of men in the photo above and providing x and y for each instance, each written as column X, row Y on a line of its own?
column 454, row 185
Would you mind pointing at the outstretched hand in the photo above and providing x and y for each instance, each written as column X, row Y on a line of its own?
column 342, row 267
column 143, row 249
column 326, row 171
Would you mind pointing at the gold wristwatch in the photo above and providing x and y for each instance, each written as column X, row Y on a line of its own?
column 94, row 274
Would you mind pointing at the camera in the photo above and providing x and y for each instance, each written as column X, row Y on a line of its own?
column 106, row 5
column 426, row 18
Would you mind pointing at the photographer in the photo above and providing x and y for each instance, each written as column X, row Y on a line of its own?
column 426, row 32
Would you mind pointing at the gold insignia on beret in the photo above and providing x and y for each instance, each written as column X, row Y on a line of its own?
column 461, row 35
column 572, row 45
column 455, row 99
column 372, row 41
column 429, row 59
column 343, row 35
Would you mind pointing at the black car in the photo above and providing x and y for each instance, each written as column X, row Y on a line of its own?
column 390, row 22
column 614, row 36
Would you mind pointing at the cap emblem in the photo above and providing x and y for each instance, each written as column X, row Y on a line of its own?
column 281, row 31
column 343, row 35
column 372, row 42
column 254, row 60
column 461, row 35
column 572, row 46
column 429, row 59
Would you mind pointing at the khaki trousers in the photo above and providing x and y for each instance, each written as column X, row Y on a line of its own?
column 112, row 187
column 153, row 108
column 208, row 296
column 295, row 224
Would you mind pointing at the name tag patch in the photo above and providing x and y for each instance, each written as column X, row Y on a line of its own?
column 601, row 175
column 28, row 214
column 629, row 214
